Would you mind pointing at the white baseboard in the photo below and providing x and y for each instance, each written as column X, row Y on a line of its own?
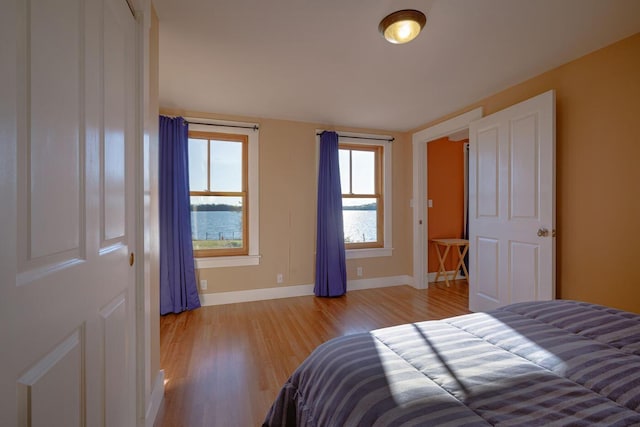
column 378, row 282
column 431, row 277
column 157, row 394
column 219, row 298
column 297, row 291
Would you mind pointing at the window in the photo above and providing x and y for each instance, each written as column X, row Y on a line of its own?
column 362, row 196
column 365, row 176
column 223, row 187
column 218, row 190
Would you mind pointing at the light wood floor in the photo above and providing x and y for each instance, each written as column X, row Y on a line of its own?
column 224, row 365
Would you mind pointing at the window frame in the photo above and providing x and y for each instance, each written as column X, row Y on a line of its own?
column 243, row 193
column 378, row 193
column 251, row 131
column 383, row 141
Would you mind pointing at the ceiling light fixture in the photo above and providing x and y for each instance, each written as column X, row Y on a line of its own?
column 402, row 26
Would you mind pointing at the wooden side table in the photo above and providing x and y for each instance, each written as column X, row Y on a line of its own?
column 447, row 244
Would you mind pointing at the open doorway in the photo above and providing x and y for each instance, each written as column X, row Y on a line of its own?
column 447, row 200
column 447, row 128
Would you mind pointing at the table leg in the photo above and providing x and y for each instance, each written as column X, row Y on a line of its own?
column 461, row 261
column 441, row 258
column 455, row 271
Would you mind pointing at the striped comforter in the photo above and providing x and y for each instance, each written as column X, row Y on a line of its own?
column 555, row 363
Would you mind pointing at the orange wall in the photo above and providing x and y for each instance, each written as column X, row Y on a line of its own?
column 597, row 171
column 445, row 188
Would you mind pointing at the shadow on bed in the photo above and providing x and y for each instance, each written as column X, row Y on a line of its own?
column 442, row 360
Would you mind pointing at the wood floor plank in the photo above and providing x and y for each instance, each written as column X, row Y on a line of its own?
column 224, row 365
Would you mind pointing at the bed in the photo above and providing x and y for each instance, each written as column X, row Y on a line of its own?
column 553, row 363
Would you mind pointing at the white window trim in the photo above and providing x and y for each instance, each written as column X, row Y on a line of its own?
column 252, row 132
column 387, row 249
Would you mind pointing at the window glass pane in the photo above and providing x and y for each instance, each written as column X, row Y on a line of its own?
column 216, row 222
column 226, row 166
column 364, row 167
column 198, row 164
column 360, row 220
column 343, row 156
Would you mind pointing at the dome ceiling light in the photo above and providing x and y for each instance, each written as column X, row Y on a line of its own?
column 402, row 26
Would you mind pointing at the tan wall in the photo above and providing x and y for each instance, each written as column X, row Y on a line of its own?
column 598, row 172
column 152, row 130
column 288, row 209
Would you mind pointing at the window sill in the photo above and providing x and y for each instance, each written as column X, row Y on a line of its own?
column 368, row 253
column 227, row 261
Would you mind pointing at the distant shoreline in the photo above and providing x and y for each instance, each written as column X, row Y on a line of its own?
column 368, row 207
column 215, row 208
column 229, row 208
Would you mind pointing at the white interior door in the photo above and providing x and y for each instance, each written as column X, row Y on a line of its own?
column 512, row 205
column 67, row 214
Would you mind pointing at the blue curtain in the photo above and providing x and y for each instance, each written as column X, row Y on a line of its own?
column 331, row 271
column 178, row 290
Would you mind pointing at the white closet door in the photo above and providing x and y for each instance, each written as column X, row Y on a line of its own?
column 67, row 218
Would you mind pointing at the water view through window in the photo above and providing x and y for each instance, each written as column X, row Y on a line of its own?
column 226, row 225
column 216, row 222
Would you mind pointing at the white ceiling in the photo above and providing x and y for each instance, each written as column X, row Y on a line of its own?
column 324, row 61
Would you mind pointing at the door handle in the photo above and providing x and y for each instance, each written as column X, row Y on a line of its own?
column 543, row 232
column 131, row 259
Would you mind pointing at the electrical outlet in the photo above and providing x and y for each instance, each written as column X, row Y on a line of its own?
column 279, row 278
column 203, row 284
column 359, row 271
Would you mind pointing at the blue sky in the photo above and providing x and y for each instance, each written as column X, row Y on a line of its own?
column 226, row 171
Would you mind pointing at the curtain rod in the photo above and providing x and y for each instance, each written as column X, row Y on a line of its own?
column 254, row 127
column 361, row 137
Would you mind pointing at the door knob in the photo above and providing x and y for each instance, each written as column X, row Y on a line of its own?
column 543, row 232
